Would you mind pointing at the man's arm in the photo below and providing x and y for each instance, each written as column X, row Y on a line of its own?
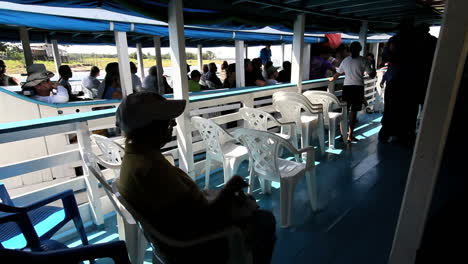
column 335, row 76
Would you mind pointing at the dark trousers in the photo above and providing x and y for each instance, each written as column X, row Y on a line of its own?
column 401, row 111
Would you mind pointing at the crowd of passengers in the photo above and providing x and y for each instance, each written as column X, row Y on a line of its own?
column 260, row 71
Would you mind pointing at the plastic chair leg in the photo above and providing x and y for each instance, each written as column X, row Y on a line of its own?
column 286, row 199
column 331, row 134
column 251, row 181
column 344, row 128
column 227, row 170
column 81, row 230
column 265, row 186
column 135, row 241
column 311, row 179
column 321, row 138
column 207, row 172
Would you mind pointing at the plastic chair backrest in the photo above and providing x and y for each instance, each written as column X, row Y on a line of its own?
column 91, row 161
column 111, row 151
column 291, row 104
column 256, row 119
column 212, row 134
column 264, row 149
column 326, row 99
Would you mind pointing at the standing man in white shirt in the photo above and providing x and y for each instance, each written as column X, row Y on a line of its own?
column 39, row 87
column 353, row 67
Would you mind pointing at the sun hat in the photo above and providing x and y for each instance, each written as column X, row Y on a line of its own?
column 37, row 73
column 140, row 109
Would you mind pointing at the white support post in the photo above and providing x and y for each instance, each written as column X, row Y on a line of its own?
column 282, row 53
column 159, row 66
column 444, row 84
column 92, row 187
column 246, row 50
column 179, row 75
column 376, row 54
column 28, row 57
column 306, row 62
column 140, row 57
column 297, row 51
column 240, row 68
column 124, row 63
column 56, row 53
column 363, row 36
column 200, row 57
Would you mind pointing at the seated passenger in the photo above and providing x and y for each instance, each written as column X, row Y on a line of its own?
column 39, row 87
column 265, row 68
column 65, row 74
column 136, row 81
column 284, row 76
column 170, row 200
column 224, row 69
column 212, row 81
column 193, row 82
column 204, row 73
column 6, row 80
column 150, row 83
column 110, row 87
column 272, row 73
column 230, row 81
column 91, row 83
column 252, row 79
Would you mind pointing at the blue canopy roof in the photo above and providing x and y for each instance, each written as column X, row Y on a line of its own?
column 82, row 30
column 322, row 15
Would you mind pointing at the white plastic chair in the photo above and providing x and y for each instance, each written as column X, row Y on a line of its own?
column 264, row 148
column 308, row 117
column 128, row 228
column 258, row 119
column 330, row 102
column 112, row 152
column 220, row 146
column 238, row 252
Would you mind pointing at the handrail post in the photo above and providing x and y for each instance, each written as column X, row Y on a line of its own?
column 331, row 87
column 363, row 37
column 159, row 66
column 200, row 57
column 297, row 50
column 140, row 59
column 306, row 62
column 124, row 63
column 240, row 69
column 92, row 188
column 56, row 53
column 28, row 57
column 179, row 72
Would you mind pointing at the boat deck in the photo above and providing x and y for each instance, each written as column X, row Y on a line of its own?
column 362, row 185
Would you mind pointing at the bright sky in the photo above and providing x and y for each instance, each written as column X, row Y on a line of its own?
column 221, row 52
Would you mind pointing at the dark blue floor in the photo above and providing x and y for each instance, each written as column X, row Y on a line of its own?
column 361, row 187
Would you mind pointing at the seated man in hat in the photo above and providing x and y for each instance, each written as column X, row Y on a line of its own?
column 6, row 80
column 169, row 199
column 39, row 87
